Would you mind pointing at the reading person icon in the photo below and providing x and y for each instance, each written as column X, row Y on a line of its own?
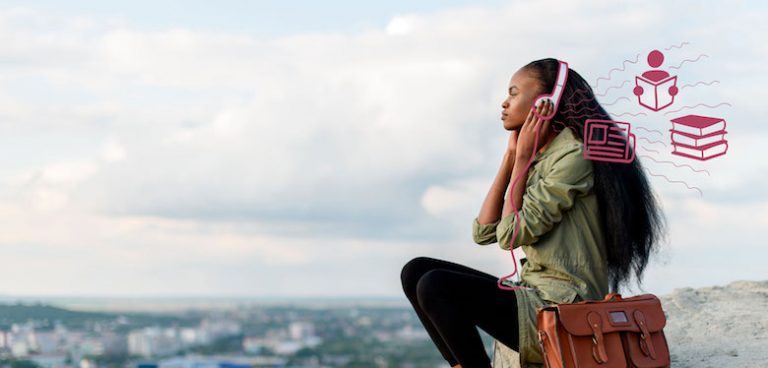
column 651, row 86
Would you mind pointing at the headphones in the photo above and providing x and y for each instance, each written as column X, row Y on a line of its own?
column 555, row 96
column 557, row 92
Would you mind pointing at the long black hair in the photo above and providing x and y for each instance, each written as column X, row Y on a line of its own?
column 630, row 216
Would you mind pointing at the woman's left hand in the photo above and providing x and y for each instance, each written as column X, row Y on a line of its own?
column 527, row 136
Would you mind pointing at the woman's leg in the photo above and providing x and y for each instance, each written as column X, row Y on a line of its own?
column 457, row 302
column 410, row 275
column 413, row 272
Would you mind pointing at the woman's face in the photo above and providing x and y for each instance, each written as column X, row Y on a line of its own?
column 523, row 90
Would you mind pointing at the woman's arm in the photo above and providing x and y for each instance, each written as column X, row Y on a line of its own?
column 516, row 193
column 532, row 127
column 490, row 212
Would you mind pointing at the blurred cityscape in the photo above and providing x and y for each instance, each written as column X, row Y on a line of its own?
column 37, row 335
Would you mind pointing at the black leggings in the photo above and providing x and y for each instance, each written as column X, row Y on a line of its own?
column 451, row 300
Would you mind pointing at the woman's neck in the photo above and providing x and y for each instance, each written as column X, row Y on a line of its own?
column 547, row 140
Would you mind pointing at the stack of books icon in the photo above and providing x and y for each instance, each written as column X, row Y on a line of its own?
column 698, row 137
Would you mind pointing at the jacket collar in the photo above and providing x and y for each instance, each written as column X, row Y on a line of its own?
column 564, row 137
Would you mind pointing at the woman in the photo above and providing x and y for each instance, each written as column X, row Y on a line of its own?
column 585, row 226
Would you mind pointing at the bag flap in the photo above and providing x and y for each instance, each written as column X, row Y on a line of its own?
column 616, row 315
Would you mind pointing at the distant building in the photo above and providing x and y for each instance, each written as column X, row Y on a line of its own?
column 153, row 341
column 300, row 330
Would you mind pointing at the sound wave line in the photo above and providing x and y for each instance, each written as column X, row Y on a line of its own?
column 697, row 105
column 676, row 165
column 674, row 181
column 692, row 61
column 650, row 150
column 652, row 142
column 583, row 92
column 629, row 113
column 614, row 102
column 579, row 111
column 591, row 115
column 611, row 87
column 649, row 130
column 697, row 83
column 623, row 68
column 677, row 46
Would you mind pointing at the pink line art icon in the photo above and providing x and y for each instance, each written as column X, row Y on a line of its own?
column 698, row 137
column 604, row 142
column 655, row 89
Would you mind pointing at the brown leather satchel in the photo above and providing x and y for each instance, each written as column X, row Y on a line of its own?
column 610, row 333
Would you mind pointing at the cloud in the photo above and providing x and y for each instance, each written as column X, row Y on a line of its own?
column 230, row 148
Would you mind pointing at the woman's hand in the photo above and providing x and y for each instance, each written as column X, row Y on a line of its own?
column 527, row 136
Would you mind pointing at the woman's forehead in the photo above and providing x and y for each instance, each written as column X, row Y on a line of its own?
column 522, row 79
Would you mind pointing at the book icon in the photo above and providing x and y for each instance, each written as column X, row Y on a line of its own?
column 655, row 89
column 608, row 140
column 698, row 137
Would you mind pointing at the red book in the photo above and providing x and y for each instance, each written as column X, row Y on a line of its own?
column 695, row 140
column 701, row 153
column 698, row 125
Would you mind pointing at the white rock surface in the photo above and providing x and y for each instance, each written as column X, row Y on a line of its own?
column 718, row 326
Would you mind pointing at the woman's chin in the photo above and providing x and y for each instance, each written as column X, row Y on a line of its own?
column 511, row 126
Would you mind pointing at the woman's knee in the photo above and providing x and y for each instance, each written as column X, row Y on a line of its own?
column 430, row 287
column 412, row 272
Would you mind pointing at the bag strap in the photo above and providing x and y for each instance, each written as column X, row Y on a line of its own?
column 646, row 345
column 598, row 344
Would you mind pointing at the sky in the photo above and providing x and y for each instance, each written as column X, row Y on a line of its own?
column 255, row 148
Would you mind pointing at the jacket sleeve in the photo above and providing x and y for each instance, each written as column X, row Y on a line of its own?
column 484, row 234
column 565, row 175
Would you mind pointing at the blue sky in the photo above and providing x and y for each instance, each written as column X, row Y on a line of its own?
column 292, row 149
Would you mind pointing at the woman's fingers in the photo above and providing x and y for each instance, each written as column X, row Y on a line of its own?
column 544, row 124
column 542, row 109
column 540, row 124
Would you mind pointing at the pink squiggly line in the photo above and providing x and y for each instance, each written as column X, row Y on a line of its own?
column 623, row 68
column 652, row 142
column 590, row 115
column 677, row 46
column 612, row 87
column 676, row 165
column 579, row 111
column 629, row 113
column 697, row 83
column 649, row 130
column 650, row 150
column 692, row 61
column 697, row 105
column 583, row 92
column 614, row 102
column 675, row 181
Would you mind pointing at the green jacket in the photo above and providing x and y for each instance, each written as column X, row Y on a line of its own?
column 559, row 232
